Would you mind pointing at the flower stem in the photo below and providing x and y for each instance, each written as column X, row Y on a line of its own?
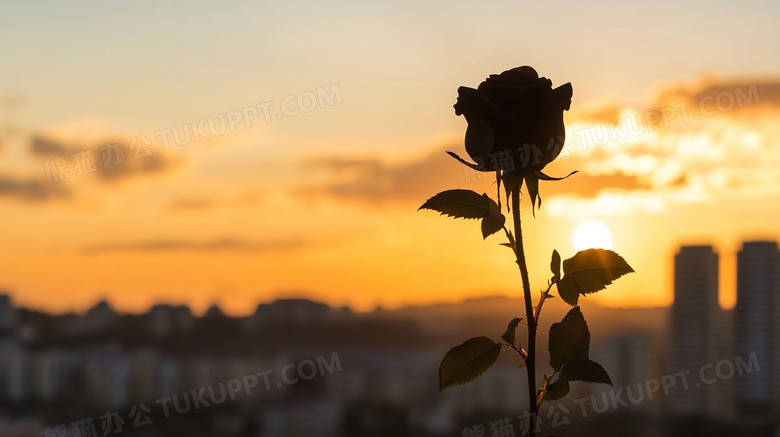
column 529, row 310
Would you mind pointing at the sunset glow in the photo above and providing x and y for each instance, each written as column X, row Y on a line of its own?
column 284, row 150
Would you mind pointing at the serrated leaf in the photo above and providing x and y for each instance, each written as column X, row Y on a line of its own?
column 509, row 335
column 589, row 271
column 466, row 362
column 555, row 264
column 569, row 339
column 557, row 390
column 586, row 371
column 494, row 221
column 459, row 204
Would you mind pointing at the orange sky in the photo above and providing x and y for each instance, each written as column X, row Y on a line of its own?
column 320, row 200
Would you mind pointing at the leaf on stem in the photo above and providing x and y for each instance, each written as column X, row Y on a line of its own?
column 555, row 264
column 568, row 345
column 494, row 220
column 589, row 271
column 509, row 335
column 569, row 339
column 459, row 204
column 557, row 390
column 576, row 370
column 466, row 362
column 586, row 371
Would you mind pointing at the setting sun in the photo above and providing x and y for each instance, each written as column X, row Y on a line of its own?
column 592, row 235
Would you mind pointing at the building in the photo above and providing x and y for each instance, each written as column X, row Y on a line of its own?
column 289, row 311
column 7, row 314
column 756, row 327
column 100, row 317
column 696, row 324
column 14, row 371
column 166, row 319
column 627, row 358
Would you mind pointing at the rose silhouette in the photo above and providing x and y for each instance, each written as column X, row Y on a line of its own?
column 515, row 121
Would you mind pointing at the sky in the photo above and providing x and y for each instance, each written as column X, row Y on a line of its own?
column 237, row 152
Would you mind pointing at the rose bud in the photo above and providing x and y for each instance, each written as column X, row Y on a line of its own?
column 515, row 121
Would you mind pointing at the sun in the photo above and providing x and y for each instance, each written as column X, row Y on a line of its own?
column 592, row 235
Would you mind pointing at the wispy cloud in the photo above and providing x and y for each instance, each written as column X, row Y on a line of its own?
column 31, row 190
column 136, row 168
column 113, row 160
column 708, row 89
column 226, row 244
column 375, row 181
column 193, row 204
column 45, row 147
column 589, row 186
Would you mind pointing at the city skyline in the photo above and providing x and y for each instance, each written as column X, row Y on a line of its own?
column 702, row 333
column 120, row 360
column 727, row 268
column 97, row 360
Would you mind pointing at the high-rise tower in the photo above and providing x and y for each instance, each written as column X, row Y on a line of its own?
column 756, row 326
column 695, row 327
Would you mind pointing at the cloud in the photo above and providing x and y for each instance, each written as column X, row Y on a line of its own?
column 32, row 190
column 191, row 204
column 601, row 114
column 48, row 147
column 133, row 168
column 377, row 182
column 374, row 181
column 589, row 186
column 708, row 93
column 226, row 244
column 724, row 144
column 113, row 160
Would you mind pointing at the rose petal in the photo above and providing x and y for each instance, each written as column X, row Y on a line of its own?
column 523, row 101
column 525, row 70
column 563, row 96
column 480, row 138
column 469, row 97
